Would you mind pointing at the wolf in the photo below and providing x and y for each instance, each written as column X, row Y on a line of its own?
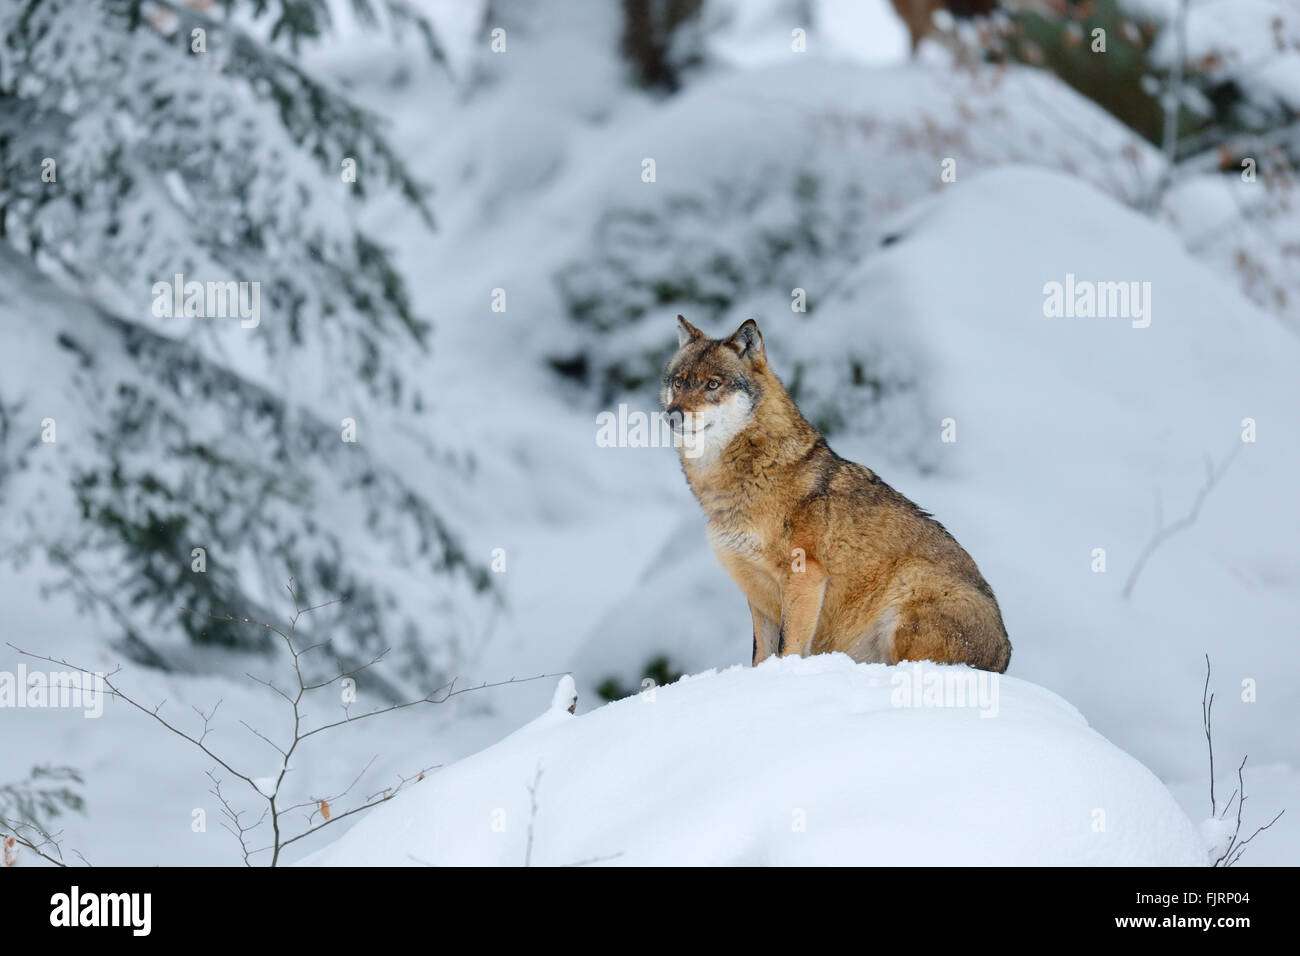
column 829, row 556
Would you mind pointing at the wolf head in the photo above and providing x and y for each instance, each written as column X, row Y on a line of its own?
column 712, row 387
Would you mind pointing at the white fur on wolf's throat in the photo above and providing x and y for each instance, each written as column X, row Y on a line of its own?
column 707, row 431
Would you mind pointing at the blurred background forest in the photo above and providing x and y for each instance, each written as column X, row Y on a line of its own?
column 472, row 225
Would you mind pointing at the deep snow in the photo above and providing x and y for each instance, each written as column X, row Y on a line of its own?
column 814, row 761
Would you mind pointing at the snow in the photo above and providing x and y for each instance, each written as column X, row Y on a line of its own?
column 565, row 697
column 1069, row 431
column 797, row 761
column 869, row 31
column 1216, row 833
column 1248, row 38
column 754, row 33
column 1269, row 788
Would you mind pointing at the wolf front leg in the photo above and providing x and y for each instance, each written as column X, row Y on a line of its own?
column 767, row 635
column 801, row 605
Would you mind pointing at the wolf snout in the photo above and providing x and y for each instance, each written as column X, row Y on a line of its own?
column 675, row 416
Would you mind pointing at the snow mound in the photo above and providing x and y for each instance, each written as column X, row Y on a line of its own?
column 798, row 761
column 1072, row 434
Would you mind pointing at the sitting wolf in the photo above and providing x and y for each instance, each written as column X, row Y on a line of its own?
column 830, row 557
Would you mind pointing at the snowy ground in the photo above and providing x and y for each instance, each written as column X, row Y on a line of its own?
column 1068, row 432
column 818, row 761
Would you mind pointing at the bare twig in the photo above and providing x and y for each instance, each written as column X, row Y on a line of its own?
column 50, row 841
column 372, row 801
column 1164, row 532
column 316, row 802
column 115, row 691
column 532, row 816
column 1236, row 846
column 1241, row 845
column 26, row 804
column 232, row 823
column 595, row 859
column 273, row 812
column 532, row 828
column 1207, row 711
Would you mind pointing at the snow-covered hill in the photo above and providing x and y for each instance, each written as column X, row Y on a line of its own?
column 800, row 761
column 1072, row 434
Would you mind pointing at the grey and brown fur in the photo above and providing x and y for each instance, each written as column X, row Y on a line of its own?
column 829, row 556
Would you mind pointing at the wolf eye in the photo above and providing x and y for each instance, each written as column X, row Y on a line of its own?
column 677, row 383
column 714, row 385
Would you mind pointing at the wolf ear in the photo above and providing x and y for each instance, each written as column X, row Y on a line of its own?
column 686, row 332
column 748, row 341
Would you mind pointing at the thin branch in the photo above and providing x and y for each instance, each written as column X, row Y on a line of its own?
column 1241, row 803
column 47, row 840
column 236, row 826
column 1165, row 532
column 263, row 736
column 273, row 812
column 439, row 696
column 595, row 859
column 1207, row 710
column 51, row 840
column 206, row 718
column 532, row 815
column 1236, row 846
column 1241, row 847
column 317, row 801
column 386, row 795
column 114, row 691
